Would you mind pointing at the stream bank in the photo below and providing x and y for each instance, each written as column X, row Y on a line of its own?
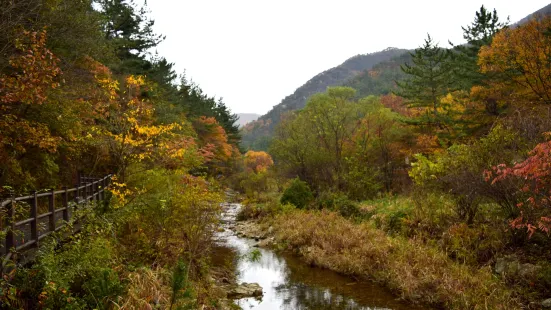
column 287, row 282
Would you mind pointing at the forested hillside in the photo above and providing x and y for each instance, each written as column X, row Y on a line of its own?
column 245, row 118
column 82, row 93
column 381, row 79
column 425, row 172
column 545, row 11
column 437, row 185
column 257, row 134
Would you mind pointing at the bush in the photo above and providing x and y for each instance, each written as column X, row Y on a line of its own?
column 297, row 194
column 338, row 202
column 473, row 245
column 260, row 210
column 459, row 171
column 83, row 268
column 388, row 213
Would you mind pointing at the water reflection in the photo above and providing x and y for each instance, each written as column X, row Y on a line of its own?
column 288, row 283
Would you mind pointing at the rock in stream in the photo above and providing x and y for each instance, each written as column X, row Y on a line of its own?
column 245, row 290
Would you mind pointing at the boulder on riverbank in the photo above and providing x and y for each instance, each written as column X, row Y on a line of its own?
column 245, row 290
column 510, row 266
column 250, row 230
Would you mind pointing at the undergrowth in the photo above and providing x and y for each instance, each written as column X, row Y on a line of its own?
column 415, row 270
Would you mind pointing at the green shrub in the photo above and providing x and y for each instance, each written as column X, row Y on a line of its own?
column 389, row 213
column 84, row 269
column 473, row 245
column 297, row 194
column 347, row 208
column 338, row 202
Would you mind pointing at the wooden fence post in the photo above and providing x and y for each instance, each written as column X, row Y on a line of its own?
column 76, row 197
column 85, row 190
column 102, row 189
column 51, row 210
column 88, row 191
column 96, row 191
column 34, row 214
column 10, row 236
column 65, row 204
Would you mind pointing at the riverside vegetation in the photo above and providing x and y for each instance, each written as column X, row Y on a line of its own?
column 79, row 92
column 441, row 190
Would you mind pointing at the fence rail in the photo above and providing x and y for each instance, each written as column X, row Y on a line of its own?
column 22, row 231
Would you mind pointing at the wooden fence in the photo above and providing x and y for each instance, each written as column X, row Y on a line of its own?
column 28, row 219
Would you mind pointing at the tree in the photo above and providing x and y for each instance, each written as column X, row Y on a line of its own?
column 198, row 104
column 522, row 57
column 214, row 140
column 458, row 171
column 131, row 34
column 256, row 177
column 430, row 79
column 325, row 125
column 25, row 135
column 382, row 140
column 291, row 145
column 339, row 144
column 479, row 33
column 332, row 120
column 258, row 161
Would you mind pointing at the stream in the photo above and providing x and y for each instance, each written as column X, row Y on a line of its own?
column 289, row 283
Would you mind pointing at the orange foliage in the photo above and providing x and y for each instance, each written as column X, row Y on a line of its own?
column 427, row 144
column 522, row 55
column 34, row 74
column 35, row 68
column 258, row 161
column 213, row 138
column 396, row 104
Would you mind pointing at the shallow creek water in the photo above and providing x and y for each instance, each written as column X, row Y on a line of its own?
column 289, row 283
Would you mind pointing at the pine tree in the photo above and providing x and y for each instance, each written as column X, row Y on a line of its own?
column 430, row 78
column 131, row 33
column 480, row 33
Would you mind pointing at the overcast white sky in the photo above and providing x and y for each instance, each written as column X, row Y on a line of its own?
column 253, row 53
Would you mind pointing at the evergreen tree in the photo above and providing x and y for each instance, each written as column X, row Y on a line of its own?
column 480, row 33
column 197, row 104
column 131, row 33
column 430, row 78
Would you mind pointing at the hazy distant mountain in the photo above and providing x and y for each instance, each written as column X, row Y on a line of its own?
column 245, row 118
column 545, row 11
column 256, row 134
column 381, row 79
column 369, row 74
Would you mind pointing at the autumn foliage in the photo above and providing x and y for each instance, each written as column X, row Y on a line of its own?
column 258, row 161
column 522, row 56
column 33, row 76
column 535, row 175
column 97, row 116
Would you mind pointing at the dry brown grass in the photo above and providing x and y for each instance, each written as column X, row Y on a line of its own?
column 147, row 289
column 412, row 269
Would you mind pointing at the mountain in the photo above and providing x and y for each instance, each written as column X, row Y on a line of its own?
column 545, row 11
column 245, row 118
column 256, row 134
column 381, row 79
column 369, row 74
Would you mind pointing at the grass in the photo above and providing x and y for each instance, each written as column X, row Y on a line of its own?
column 145, row 287
column 414, row 270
